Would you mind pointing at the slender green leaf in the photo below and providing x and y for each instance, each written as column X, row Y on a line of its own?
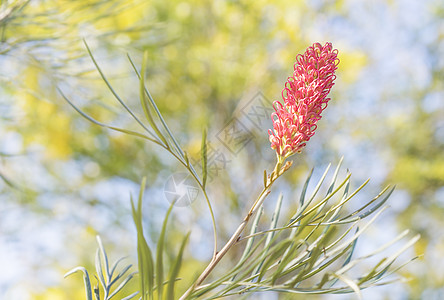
column 99, row 271
column 304, row 204
column 371, row 274
column 330, row 189
column 376, row 207
column 390, row 260
column 393, row 271
column 308, row 265
column 335, row 176
column 253, row 230
column 92, row 120
column 121, row 285
column 241, row 271
column 105, row 258
column 114, row 92
column 283, row 263
column 86, row 281
column 146, row 105
column 249, row 245
column 304, row 189
column 159, row 254
column 187, row 161
column 348, row 258
column 174, row 272
column 131, row 296
column 367, row 205
column 270, row 235
column 324, row 280
column 145, row 258
column 318, row 186
column 120, row 275
column 275, row 252
column 303, row 213
column 156, row 109
column 357, row 234
column 114, row 267
column 351, row 284
column 323, row 263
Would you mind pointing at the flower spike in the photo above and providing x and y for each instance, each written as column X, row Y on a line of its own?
column 304, row 98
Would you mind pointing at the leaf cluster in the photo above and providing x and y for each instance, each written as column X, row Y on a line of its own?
column 152, row 273
column 159, row 133
column 107, row 277
column 313, row 252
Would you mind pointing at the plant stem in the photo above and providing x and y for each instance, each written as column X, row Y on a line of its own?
column 202, row 188
column 278, row 171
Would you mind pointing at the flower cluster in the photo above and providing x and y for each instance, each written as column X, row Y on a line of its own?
column 304, row 97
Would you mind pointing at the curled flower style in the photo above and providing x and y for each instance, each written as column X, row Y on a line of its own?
column 304, row 99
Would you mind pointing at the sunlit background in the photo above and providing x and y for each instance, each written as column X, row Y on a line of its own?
column 64, row 180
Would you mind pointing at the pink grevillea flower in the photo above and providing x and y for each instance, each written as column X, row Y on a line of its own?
column 304, row 97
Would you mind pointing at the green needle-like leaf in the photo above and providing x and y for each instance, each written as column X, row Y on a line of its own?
column 351, row 284
column 253, row 230
column 275, row 252
column 348, row 258
column 335, row 177
column 106, row 281
column 92, row 120
column 105, row 258
column 270, row 235
column 114, row 92
column 146, row 105
column 113, row 268
column 187, row 160
column 99, row 271
column 130, row 296
column 159, row 254
column 120, row 275
column 159, row 115
column 304, row 189
column 86, row 281
column 121, row 285
column 174, row 272
column 145, row 258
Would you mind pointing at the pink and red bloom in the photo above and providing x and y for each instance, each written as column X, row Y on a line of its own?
column 304, row 97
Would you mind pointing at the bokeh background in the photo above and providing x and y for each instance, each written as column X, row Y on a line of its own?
column 65, row 180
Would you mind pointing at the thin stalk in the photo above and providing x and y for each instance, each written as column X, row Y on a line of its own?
column 213, row 219
column 278, row 171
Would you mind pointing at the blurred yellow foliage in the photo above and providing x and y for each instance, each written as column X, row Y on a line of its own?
column 61, row 294
column 351, row 65
column 43, row 122
column 417, row 174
